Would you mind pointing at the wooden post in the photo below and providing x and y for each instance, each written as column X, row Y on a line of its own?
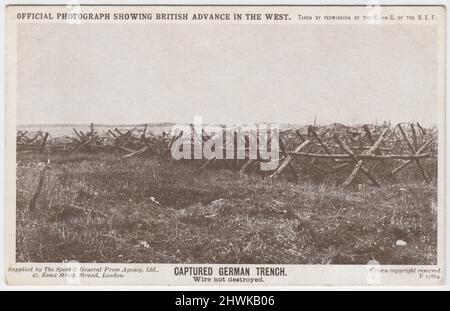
column 421, row 128
column 135, row 153
column 419, row 152
column 359, row 163
column 125, row 138
column 30, row 141
column 288, row 159
column 285, row 153
column 414, row 135
column 413, row 151
column 300, row 135
column 235, row 144
column 316, row 136
column 144, row 131
column 78, row 134
column 112, row 133
column 36, row 194
column 368, row 134
column 44, row 142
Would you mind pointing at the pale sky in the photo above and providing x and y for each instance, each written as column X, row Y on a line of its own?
column 124, row 73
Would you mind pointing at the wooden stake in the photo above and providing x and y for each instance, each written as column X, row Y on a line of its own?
column 359, row 163
column 414, row 135
column 36, row 194
column 135, row 153
column 419, row 152
column 413, row 150
column 44, row 142
column 288, row 159
column 144, row 131
column 368, row 134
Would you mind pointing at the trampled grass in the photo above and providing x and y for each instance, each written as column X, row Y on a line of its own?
column 98, row 208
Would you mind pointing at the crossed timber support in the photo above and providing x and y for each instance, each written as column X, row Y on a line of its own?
column 288, row 158
column 89, row 141
column 414, row 152
column 38, row 142
column 359, row 162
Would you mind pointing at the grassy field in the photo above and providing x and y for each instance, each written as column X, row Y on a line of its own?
column 98, row 208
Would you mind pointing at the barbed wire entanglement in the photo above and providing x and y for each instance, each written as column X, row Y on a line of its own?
column 336, row 153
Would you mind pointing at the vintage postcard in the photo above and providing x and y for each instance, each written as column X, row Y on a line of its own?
column 225, row 145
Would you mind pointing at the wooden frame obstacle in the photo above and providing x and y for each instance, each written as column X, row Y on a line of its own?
column 31, row 141
column 358, row 155
column 310, row 151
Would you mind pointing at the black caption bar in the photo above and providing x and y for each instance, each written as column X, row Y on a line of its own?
column 224, row 300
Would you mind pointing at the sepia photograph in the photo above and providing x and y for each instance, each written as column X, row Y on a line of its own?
column 273, row 137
